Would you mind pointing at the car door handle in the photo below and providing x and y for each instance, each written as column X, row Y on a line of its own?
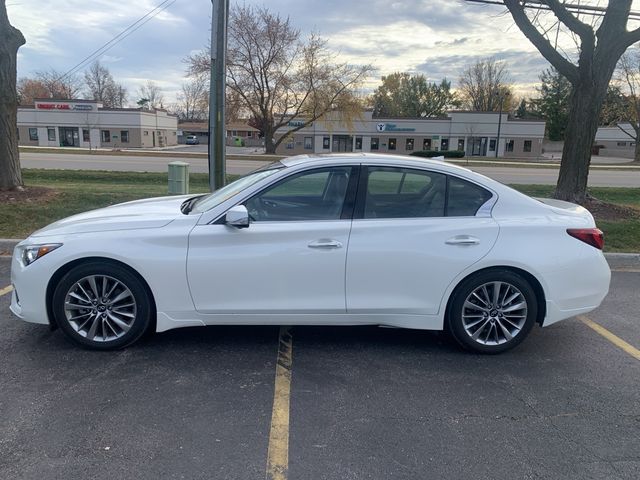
column 325, row 243
column 463, row 240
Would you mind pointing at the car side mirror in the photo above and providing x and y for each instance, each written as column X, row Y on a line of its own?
column 237, row 216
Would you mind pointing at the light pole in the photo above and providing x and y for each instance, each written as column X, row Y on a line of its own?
column 500, row 99
column 219, row 17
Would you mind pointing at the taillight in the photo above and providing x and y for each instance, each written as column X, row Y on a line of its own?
column 592, row 236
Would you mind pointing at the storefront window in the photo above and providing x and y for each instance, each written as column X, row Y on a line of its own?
column 527, row 146
column 509, row 146
column 105, row 135
column 375, row 143
column 33, row 134
column 392, row 144
column 124, row 136
column 492, row 145
column 358, row 143
column 308, row 143
column 444, row 144
column 51, row 134
column 326, row 143
column 409, row 144
column 426, row 144
column 461, row 144
column 85, row 135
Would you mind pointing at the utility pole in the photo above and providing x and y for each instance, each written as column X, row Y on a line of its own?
column 217, row 167
column 500, row 99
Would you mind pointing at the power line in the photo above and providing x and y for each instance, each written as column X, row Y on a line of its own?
column 119, row 37
column 592, row 10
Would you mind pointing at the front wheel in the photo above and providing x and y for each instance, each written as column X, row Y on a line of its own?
column 493, row 311
column 102, row 306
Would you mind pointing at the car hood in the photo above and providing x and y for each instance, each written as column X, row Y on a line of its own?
column 148, row 213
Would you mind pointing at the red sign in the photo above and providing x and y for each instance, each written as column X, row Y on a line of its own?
column 54, row 106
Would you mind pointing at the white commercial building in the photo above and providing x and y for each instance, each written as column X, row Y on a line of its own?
column 616, row 141
column 85, row 123
column 475, row 133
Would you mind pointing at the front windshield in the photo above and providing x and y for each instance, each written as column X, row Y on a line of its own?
column 216, row 198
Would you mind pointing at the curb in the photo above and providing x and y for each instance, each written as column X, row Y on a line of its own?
column 615, row 260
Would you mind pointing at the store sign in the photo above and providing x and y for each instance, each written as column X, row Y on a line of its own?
column 64, row 106
column 392, row 127
column 53, row 106
column 298, row 123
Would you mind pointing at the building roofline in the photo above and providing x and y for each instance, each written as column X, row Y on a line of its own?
column 79, row 100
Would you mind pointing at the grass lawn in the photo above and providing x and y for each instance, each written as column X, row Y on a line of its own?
column 79, row 191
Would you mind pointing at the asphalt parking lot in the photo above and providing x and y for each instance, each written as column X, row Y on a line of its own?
column 364, row 403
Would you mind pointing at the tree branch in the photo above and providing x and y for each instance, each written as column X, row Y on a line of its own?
column 569, row 70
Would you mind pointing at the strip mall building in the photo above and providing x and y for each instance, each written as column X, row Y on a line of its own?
column 85, row 123
column 475, row 133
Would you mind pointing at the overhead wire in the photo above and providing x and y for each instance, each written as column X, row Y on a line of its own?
column 119, row 37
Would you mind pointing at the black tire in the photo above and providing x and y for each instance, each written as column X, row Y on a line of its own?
column 456, row 323
column 138, row 316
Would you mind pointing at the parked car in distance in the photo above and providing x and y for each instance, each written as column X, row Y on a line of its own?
column 192, row 140
column 347, row 239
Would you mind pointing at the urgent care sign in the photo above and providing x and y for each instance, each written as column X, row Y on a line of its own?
column 63, row 106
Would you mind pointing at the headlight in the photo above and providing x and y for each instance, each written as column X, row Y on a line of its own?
column 30, row 253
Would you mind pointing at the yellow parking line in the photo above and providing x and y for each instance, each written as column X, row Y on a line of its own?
column 617, row 341
column 278, row 452
column 6, row 290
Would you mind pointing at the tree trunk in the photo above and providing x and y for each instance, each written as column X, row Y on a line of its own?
column 269, row 144
column 585, row 104
column 10, row 40
column 636, row 152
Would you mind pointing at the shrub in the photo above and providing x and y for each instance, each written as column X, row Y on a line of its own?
column 445, row 154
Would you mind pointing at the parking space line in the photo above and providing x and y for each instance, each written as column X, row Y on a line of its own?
column 626, row 270
column 617, row 341
column 278, row 452
column 5, row 290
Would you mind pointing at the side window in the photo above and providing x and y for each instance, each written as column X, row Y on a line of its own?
column 315, row 195
column 404, row 193
column 465, row 198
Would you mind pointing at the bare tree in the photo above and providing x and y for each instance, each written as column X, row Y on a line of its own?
column 278, row 77
column 629, row 68
column 193, row 99
column 29, row 89
column 484, row 85
column 600, row 44
column 59, row 85
column 102, row 87
column 152, row 94
column 11, row 39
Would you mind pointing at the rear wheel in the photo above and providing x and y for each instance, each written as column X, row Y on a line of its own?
column 102, row 306
column 493, row 311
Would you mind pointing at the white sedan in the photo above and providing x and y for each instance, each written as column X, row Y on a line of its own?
column 325, row 240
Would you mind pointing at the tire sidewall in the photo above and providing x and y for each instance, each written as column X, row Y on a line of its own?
column 134, row 284
column 454, row 317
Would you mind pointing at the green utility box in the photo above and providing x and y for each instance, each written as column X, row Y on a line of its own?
column 238, row 142
column 178, row 178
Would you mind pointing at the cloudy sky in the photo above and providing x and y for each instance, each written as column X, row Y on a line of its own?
column 435, row 37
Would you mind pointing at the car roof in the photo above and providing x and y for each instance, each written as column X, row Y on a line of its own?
column 371, row 159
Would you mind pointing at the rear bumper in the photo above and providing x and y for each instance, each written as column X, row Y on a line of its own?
column 578, row 288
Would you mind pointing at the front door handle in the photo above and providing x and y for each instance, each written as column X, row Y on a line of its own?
column 463, row 240
column 325, row 243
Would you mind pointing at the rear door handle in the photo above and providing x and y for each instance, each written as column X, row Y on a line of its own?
column 325, row 243
column 463, row 240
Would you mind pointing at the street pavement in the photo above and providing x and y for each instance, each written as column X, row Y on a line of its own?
column 366, row 403
column 514, row 175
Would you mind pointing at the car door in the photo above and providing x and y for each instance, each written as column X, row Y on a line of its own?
column 291, row 258
column 413, row 232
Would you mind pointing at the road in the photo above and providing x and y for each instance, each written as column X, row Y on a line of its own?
column 520, row 175
column 365, row 403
